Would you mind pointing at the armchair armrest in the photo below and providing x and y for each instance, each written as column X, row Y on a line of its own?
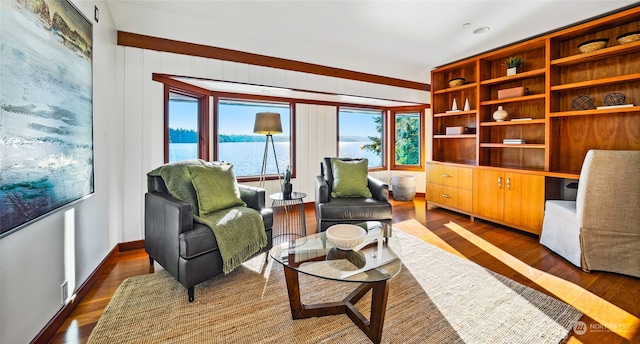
column 167, row 211
column 253, row 196
column 378, row 188
column 165, row 218
column 322, row 190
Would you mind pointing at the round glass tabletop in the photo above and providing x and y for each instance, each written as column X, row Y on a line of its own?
column 377, row 259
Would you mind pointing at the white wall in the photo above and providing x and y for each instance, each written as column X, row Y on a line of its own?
column 32, row 263
column 143, row 117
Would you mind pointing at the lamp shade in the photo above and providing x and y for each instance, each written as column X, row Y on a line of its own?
column 267, row 123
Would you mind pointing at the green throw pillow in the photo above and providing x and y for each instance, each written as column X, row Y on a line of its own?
column 216, row 187
column 350, row 178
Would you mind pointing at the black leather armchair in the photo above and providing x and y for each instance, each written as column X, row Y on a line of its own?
column 330, row 211
column 186, row 249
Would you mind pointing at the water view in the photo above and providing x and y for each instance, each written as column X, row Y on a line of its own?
column 247, row 156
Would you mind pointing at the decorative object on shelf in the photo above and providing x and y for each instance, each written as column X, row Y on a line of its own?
column 454, row 105
column 458, row 130
column 513, row 92
column 513, row 63
column 614, row 98
column 467, row 107
column 593, row 45
column 583, row 102
column 500, row 114
column 628, row 37
column 268, row 123
column 455, row 82
column 514, row 141
column 287, row 188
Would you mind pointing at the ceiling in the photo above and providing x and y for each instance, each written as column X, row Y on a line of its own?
column 400, row 39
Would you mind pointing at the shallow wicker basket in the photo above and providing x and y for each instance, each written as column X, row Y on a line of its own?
column 614, row 98
column 593, row 45
column 456, row 82
column 582, row 103
column 628, row 37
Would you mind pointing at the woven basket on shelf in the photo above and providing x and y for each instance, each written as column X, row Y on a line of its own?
column 582, row 103
column 456, row 82
column 614, row 98
column 593, row 45
column 628, row 37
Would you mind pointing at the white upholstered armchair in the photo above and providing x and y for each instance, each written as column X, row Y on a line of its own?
column 600, row 230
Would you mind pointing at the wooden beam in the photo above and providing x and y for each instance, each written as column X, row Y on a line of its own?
column 192, row 49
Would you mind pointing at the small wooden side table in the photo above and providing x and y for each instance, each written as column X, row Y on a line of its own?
column 288, row 217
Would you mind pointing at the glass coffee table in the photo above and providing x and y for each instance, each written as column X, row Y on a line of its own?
column 372, row 265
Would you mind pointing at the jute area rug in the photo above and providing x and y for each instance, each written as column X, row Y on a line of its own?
column 437, row 298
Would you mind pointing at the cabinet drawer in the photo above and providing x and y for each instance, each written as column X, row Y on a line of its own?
column 449, row 196
column 458, row 177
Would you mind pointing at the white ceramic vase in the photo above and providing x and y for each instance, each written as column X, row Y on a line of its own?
column 500, row 114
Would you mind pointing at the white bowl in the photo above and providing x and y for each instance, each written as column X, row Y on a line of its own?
column 346, row 237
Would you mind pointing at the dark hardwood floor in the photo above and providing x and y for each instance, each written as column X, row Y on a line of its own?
column 605, row 298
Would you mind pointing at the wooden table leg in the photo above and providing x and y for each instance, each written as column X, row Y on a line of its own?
column 372, row 327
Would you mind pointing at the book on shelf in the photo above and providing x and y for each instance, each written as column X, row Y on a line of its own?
column 614, row 106
column 521, row 119
column 514, row 141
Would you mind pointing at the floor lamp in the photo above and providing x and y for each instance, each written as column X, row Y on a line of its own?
column 268, row 123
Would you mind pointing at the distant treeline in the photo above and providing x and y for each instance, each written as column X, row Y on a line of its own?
column 191, row 136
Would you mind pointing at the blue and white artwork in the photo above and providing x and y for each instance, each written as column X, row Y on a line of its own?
column 46, row 109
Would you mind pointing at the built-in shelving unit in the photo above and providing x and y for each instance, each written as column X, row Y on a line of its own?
column 555, row 135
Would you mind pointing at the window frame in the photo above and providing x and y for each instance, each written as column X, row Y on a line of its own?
column 383, row 134
column 203, row 119
column 394, row 113
column 217, row 97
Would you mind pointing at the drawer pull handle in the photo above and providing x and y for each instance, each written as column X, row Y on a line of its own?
column 446, row 175
column 499, row 182
column 508, row 183
column 446, row 196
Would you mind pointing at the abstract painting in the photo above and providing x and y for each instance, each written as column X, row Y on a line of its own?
column 46, row 109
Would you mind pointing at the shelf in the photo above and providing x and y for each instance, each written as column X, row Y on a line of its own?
column 519, row 76
column 533, row 121
column 594, row 112
column 455, row 89
column 461, row 136
column 597, row 82
column 514, row 99
column 458, row 113
column 597, row 55
column 521, row 145
column 558, row 137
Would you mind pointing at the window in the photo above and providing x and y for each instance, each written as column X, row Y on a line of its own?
column 360, row 135
column 183, row 134
column 407, row 128
column 239, row 145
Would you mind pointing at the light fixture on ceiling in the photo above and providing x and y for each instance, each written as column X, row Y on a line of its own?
column 481, row 30
column 466, row 25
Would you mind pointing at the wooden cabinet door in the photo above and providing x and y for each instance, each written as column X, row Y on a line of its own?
column 524, row 201
column 488, row 193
